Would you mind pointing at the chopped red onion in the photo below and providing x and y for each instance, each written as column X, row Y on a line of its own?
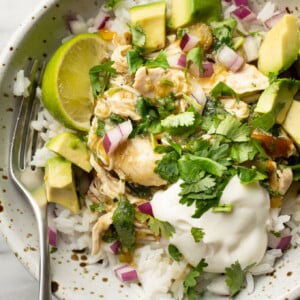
column 244, row 13
column 116, row 136
column 282, row 242
column 230, row 59
column 181, row 61
column 115, row 246
column 208, row 69
column 173, row 61
column 241, row 2
column 188, row 42
column 103, row 22
column 126, row 273
column 146, row 208
column 52, row 232
column 272, row 21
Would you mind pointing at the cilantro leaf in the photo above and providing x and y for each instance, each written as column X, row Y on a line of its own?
column 231, row 128
column 138, row 36
column 190, row 281
column 111, row 3
column 195, row 56
column 134, row 60
column 157, row 227
column 197, row 234
column 201, row 164
column 100, row 131
column 99, row 77
column 235, row 278
column 183, row 119
column 99, row 207
column 123, row 221
column 159, row 61
column 264, row 121
column 248, row 176
column 242, row 152
column 167, row 167
column 222, row 89
column 199, row 186
column 174, row 252
column 223, row 31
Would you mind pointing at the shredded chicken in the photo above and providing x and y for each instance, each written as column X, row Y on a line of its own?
column 135, row 160
column 238, row 108
column 150, row 82
column 119, row 58
column 244, row 82
column 285, row 179
column 98, row 230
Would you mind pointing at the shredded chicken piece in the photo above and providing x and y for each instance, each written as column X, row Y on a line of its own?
column 107, row 185
column 285, row 179
column 135, row 160
column 121, row 102
column 98, row 230
column 238, row 108
column 244, row 82
column 119, row 58
column 150, row 82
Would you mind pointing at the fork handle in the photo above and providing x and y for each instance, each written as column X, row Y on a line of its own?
column 44, row 260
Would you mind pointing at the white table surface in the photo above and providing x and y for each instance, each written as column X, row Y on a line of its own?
column 15, row 282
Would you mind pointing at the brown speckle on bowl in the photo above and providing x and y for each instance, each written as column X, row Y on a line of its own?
column 74, row 257
column 9, row 109
column 82, row 264
column 4, row 190
column 105, row 279
column 83, row 257
column 1, row 208
column 289, row 273
column 54, row 286
column 11, row 48
column 4, row 177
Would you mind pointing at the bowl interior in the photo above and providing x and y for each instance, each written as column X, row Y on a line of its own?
column 40, row 35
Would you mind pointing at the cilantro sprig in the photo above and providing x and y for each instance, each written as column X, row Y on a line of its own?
column 191, row 280
column 157, row 227
column 100, row 76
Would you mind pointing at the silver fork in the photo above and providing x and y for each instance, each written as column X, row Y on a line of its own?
column 23, row 145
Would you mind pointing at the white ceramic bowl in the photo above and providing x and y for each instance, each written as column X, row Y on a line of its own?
column 39, row 36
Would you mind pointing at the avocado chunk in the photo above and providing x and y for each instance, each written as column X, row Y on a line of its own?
column 152, row 19
column 72, row 148
column 291, row 123
column 277, row 98
column 60, row 183
column 185, row 12
column 280, row 46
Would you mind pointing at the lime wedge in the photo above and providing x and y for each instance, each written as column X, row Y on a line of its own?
column 66, row 88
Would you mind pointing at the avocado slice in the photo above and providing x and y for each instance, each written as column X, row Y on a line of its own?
column 185, row 12
column 291, row 123
column 151, row 18
column 60, row 184
column 71, row 147
column 277, row 98
column 280, row 46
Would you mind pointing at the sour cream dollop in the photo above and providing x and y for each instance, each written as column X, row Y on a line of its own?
column 240, row 235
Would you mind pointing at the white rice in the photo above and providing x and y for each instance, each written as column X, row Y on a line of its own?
column 21, row 85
